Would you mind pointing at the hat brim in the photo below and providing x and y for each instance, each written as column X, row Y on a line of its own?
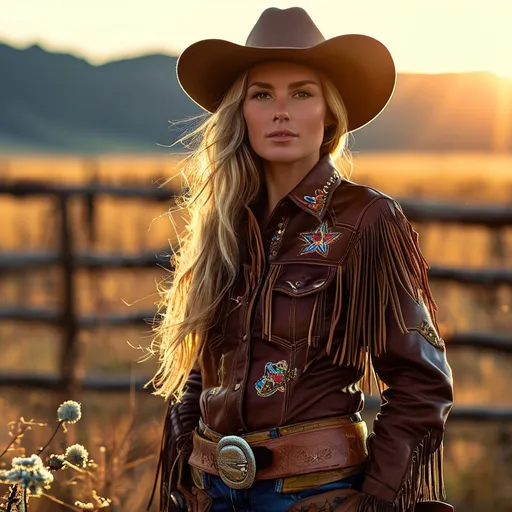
column 361, row 68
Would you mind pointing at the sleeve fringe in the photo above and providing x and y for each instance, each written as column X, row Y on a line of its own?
column 175, row 448
column 423, row 481
column 386, row 255
column 162, row 466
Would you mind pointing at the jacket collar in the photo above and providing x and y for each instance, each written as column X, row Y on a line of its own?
column 314, row 192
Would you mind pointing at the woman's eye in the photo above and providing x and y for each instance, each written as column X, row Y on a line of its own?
column 264, row 95
column 260, row 95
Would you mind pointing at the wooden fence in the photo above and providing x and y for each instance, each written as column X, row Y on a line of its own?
column 68, row 260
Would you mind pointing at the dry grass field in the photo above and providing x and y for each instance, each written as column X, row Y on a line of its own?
column 122, row 431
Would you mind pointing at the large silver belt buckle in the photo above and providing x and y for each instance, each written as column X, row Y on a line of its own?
column 236, row 462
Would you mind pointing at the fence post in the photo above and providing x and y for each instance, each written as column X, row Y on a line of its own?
column 71, row 353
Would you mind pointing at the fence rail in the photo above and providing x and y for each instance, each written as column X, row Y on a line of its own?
column 490, row 216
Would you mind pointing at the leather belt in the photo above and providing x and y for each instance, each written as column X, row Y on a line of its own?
column 299, row 449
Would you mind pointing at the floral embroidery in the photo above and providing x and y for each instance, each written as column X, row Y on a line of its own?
column 277, row 238
column 275, row 377
column 426, row 327
column 317, row 202
column 430, row 334
column 318, row 240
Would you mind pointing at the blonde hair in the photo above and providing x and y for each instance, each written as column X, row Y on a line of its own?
column 224, row 177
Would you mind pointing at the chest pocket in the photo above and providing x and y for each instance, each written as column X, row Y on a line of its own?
column 296, row 303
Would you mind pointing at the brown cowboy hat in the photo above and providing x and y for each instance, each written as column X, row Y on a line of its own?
column 360, row 67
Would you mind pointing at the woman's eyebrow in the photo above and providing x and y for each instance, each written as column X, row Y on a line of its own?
column 293, row 85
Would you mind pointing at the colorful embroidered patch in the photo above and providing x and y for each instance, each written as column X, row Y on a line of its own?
column 317, row 202
column 276, row 239
column 275, row 377
column 319, row 240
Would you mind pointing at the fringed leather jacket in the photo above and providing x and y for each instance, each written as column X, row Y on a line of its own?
column 332, row 296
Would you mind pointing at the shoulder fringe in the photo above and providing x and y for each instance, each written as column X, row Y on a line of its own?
column 423, row 481
column 386, row 256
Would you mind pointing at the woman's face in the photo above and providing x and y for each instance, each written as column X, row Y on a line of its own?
column 285, row 111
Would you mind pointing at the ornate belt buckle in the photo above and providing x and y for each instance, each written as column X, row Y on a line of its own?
column 236, row 462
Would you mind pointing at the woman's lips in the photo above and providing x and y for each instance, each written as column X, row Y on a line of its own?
column 282, row 135
column 282, row 138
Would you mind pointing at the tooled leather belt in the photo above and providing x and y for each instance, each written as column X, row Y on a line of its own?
column 282, row 452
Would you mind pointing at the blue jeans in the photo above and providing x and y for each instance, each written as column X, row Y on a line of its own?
column 265, row 495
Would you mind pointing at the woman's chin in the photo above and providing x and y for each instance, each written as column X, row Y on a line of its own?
column 282, row 155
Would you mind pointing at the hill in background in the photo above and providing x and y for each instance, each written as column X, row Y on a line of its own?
column 53, row 102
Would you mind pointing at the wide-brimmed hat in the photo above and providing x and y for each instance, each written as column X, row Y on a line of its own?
column 361, row 68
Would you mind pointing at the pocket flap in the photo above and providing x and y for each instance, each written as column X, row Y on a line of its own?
column 300, row 280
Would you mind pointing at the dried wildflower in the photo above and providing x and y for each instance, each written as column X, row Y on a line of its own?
column 84, row 506
column 32, row 462
column 100, row 502
column 34, row 479
column 77, row 455
column 55, row 462
column 69, row 412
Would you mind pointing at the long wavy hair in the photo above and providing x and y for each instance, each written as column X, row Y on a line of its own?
column 224, row 177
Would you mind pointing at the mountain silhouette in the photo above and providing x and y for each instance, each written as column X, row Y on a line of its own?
column 55, row 102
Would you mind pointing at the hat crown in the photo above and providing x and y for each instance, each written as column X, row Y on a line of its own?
column 284, row 28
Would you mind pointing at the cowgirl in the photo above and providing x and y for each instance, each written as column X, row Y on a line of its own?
column 295, row 289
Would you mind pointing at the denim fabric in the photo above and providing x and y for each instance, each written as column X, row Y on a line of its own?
column 265, row 495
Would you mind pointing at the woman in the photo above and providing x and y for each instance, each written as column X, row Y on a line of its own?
column 294, row 289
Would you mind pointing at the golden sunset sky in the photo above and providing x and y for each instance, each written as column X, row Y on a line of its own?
column 426, row 36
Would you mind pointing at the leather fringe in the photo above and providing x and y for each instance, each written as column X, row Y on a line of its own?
column 311, row 341
column 266, row 302
column 256, row 249
column 386, row 256
column 162, row 466
column 176, row 443
column 423, row 481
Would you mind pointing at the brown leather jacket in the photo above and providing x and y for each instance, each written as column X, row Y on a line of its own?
column 333, row 291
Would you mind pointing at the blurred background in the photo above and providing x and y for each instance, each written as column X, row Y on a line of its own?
column 89, row 110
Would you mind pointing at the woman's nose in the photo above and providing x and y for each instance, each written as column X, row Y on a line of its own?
column 281, row 115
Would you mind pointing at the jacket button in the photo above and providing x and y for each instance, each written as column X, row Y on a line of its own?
column 298, row 284
column 244, row 337
column 237, row 386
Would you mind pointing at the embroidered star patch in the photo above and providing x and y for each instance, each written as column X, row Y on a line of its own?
column 319, row 240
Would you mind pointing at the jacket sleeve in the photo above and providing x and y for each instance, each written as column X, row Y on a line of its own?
column 181, row 418
column 408, row 356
